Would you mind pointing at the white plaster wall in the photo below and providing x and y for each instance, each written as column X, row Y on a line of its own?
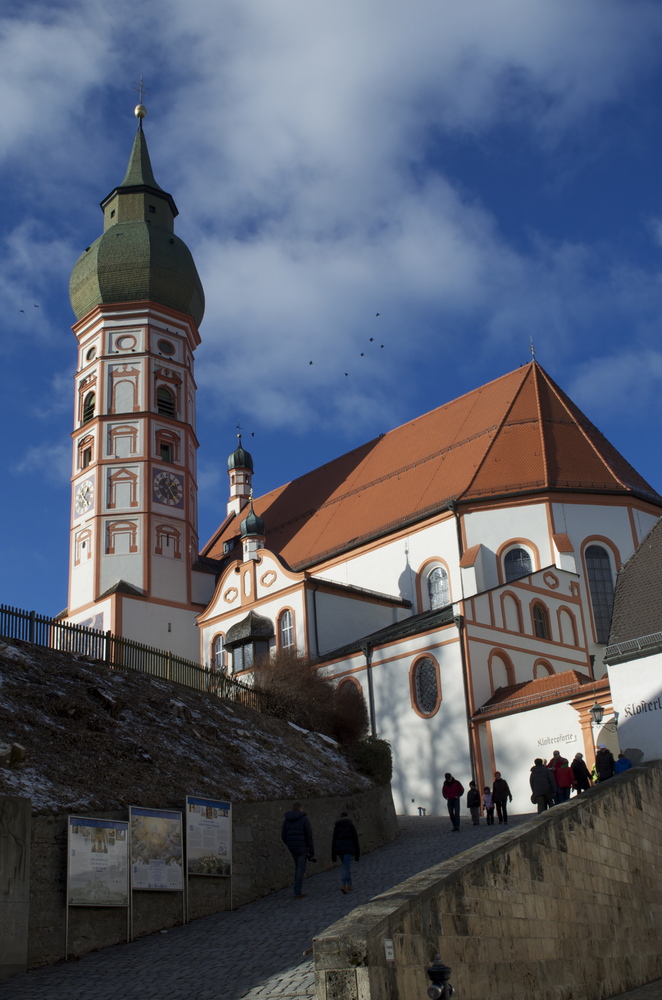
column 102, row 608
column 127, row 567
column 342, row 619
column 269, row 609
column 636, row 694
column 148, row 623
column 169, row 578
column 392, row 568
column 82, row 581
column 519, row 739
column 492, row 528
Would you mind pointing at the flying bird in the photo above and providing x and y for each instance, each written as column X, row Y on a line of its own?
column 35, row 305
column 362, row 354
column 371, row 339
column 310, row 362
column 377, row 314
column 346, row 373
column 381, row 345
column 22, row 311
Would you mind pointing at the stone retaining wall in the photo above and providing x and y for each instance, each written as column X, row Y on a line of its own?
column 261, row 864
column 567, row 905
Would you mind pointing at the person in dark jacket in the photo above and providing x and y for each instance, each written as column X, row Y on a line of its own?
column 473, row 803
column 297, row 835
column 452, row 790
column 500, row 796
column 345, row 845
column 604, row 763
column 583, row 780
column 543, row 785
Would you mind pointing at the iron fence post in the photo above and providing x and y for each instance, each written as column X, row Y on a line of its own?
column 33, row 616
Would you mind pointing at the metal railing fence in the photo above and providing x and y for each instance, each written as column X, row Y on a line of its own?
column 125, row 654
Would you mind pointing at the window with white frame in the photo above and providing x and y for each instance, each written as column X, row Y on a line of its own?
column 218, row 653
column 286, row 630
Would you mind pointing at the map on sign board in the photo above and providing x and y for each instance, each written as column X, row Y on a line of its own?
column 156, row 849
column 208, row 837
column 98, row 862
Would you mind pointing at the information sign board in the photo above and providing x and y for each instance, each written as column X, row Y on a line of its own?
column 156, row 849
column 208, row 836
column 98, row 862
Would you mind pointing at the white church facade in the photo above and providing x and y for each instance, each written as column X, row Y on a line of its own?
column 457, row 572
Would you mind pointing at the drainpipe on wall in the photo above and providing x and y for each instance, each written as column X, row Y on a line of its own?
column 367, row 652
column 317, row 641
column 459, row 622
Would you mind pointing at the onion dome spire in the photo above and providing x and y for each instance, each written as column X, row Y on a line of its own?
column 252, row 524
column 240, row 458
column 138, row 257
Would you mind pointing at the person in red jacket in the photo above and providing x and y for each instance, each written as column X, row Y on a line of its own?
column 452, row 791
column 565, row 780
column 554, row 764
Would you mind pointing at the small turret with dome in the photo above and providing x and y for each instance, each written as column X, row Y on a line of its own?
column 138, row 257
column 240, row 471
column 252, row 533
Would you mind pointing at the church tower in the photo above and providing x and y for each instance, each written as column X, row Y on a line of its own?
column 138, row 301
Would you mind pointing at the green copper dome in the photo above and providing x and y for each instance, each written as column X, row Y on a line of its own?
column 138, row 256
column 240, row 458
column 252, row 525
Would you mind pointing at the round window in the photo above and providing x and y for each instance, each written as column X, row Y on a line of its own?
column 166, row 347
column 426, row 688
column 125, row 343
column 91, row 354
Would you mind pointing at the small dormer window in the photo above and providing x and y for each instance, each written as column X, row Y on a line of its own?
column 152, row 209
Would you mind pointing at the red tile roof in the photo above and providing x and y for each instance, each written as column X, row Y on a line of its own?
column 517, row 435
column 553, row 687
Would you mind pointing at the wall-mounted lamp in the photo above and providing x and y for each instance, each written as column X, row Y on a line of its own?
column 597, row 714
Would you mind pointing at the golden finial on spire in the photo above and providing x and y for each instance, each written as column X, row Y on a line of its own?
column 140, row 110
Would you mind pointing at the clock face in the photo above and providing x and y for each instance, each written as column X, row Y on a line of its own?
column 84, row 497
column 168, row 489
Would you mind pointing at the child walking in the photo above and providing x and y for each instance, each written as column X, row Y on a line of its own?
column 488, row 805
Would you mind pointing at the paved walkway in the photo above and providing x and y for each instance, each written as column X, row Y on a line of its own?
column 262, row 950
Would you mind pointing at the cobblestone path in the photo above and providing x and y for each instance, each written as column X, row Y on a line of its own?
column 262, row 950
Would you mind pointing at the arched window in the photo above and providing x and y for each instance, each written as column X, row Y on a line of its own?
column 165, row 401
column 516, row 563
column 540, row 621
column 426, row 686
column 601, row 586
column 218, row 653
column 286, row 630
column 438, row 591
column 89, row 405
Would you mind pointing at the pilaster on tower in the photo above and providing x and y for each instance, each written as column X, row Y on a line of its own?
column 240, row 471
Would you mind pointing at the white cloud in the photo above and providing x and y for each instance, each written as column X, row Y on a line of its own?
column 628, row 382
column 52, row 462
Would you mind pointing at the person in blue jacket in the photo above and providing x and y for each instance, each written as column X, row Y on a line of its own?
column 622, row 764
column 297, row 835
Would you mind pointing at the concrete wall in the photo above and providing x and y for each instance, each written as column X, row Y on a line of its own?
column 566, row 905
column 261, row 864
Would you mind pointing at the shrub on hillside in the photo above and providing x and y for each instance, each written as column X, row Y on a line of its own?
column 373, row 757
column 297, row 692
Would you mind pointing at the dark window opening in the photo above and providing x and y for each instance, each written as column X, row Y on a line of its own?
column 88, row 407
column 517, row 563
column 601, row 587
column 166, row 452
column 165, row 402
column 87, row 457
column 112, row 214
column 152, row 208
column 540, row 622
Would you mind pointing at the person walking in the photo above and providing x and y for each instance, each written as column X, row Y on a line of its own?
column 345, row 845
column 622, row 764
column 473, row 802
column 543, row 785
column 556, row 761
column 488, row 805
column 500, row 795
column 297, row 835
column 604, row 763
column 583, row 780
column 565, row 780
column 452, row 790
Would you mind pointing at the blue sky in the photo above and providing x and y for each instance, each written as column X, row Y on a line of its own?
column 477, row 174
